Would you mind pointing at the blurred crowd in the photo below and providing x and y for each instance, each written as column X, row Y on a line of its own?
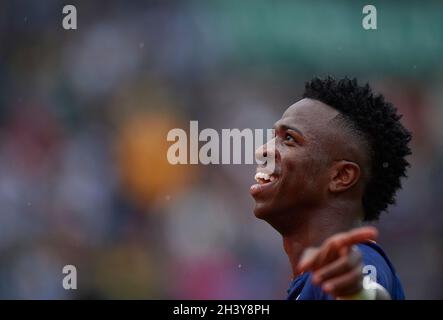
column 84, row 178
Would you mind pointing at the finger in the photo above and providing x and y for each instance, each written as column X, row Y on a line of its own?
column 337, row 245
column 354, row 236
column 340, row 245
column 329, row 251
column 347, row 291
column 359, row 235
column 309, row 255
column 347, row 284
column 340, row 266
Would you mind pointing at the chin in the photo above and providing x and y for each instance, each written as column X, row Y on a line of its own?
column 263, row 211
column 272, row 216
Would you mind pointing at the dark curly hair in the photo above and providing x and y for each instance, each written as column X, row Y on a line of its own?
column 377, row 121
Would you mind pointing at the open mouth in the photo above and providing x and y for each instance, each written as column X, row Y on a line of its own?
column 264, row 182
column 263, row 178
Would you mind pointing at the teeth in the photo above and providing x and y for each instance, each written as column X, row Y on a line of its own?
column 263, row 176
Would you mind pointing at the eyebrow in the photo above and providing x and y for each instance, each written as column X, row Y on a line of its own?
column 286, row 127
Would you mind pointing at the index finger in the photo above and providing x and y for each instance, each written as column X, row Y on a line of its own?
column 335, row 245
column 359, row 235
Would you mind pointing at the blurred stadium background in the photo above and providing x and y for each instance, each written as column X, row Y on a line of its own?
column 83, row 122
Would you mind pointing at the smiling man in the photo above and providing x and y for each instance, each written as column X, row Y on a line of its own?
column 339, row 156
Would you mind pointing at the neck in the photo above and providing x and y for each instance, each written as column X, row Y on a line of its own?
column 316, row 226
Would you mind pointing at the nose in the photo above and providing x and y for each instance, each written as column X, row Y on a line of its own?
column 266, row 153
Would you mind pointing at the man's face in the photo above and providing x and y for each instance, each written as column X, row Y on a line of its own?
column 302, row 149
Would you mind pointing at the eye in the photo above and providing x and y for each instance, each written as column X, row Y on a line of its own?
column 288, row 137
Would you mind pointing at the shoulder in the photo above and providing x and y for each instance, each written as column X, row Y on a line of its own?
column 378, row 267
column 302, row 288
column 376, row 264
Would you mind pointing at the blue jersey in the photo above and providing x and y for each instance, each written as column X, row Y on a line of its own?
column 302, row 287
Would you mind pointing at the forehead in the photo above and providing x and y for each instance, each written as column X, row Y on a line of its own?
column 308, row 115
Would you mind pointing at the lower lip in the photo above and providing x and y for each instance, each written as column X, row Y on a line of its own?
column 257, row 188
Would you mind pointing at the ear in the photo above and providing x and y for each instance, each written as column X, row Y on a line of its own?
column 344, row 175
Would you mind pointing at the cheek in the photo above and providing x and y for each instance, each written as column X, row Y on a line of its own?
column 317, row 177
column 300, row 166
column 306, row 174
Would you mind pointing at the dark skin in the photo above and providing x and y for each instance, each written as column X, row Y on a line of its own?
column 314, row 200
